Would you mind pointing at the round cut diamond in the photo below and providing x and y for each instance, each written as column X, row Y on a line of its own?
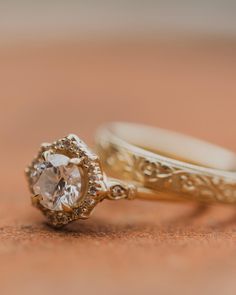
column 58, row 182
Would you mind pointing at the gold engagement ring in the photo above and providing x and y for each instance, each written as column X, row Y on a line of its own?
column 67, row 179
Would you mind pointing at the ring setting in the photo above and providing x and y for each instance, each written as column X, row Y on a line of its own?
column 66, row 181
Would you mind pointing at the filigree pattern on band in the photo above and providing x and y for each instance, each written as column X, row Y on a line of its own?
column 163, row 176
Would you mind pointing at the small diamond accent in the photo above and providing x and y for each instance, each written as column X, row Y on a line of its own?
column 118, row 191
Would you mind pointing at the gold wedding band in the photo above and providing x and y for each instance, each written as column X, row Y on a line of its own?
column 171, row 166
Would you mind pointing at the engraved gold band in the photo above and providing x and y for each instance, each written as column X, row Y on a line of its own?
column 168, row 165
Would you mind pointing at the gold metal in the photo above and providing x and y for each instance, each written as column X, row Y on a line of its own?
column 184, row 168
column 142, row 162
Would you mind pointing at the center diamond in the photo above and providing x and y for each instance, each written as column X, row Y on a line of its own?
column 58, row 182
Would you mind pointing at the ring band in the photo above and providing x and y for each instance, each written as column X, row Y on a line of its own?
column 67, row 179
column 171, row 165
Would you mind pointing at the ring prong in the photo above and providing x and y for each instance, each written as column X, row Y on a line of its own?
column 76, row 161
column 45, row 145
column 66, row 208
column 36, row 198
column 73, row 137
column 46, row 154
column 27, row 170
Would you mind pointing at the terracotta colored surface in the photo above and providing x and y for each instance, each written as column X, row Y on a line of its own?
column 133, row 247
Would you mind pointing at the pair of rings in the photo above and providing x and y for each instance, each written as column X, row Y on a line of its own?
column 67, row 179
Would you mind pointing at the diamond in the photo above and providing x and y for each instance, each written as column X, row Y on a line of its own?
column 58, row 182
column 118, row 191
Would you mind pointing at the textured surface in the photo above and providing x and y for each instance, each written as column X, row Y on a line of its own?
column 130, row 247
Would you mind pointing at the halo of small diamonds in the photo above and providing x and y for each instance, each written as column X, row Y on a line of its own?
column 94, row 187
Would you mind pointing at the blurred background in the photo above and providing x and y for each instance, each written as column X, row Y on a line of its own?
column 69, row 66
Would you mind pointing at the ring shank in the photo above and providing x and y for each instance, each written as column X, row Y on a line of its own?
column 171, row 166
column 175, row 145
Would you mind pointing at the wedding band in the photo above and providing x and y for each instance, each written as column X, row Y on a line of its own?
column 172, row 166
column 66, row 181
